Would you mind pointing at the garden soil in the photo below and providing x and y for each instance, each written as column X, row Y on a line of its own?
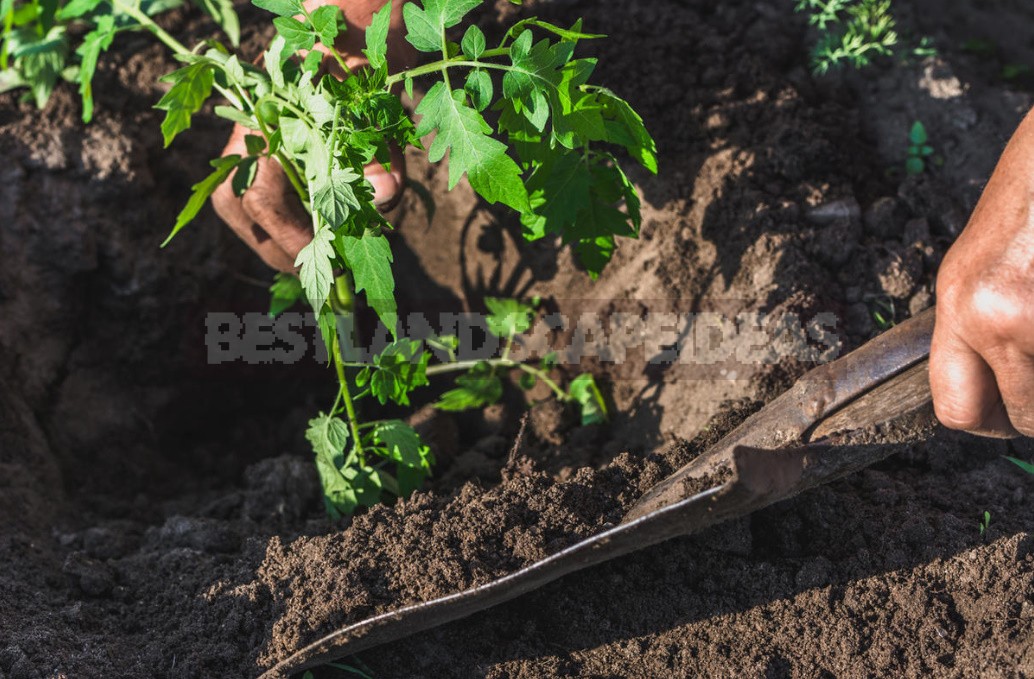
column 159, row 515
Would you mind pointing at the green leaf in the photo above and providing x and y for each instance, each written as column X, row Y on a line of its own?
column 283, row 8
column 191, row 86
column 285, row 292
column 479, row 88
column 317, row 268
column 478, row 387
column 473, row 42
column 1025, row 466
column 917, row 135
column 73, row 10
column 201, row 191
column 324, row 21
column 334, row 197
column 396, row 371
column 237, row 116
column 584, row 390
column 328, row 437
column 508, row 317
column 297, row 35
column 915, row 165
column 377, row 38
column 572, row 34
column 402, row 443
column 464, row 134
column 96, row 41
column 369, row 258
column 244, row 177
column 274, row 60
column 425, row 27
column 254, row 144
column 626, row 128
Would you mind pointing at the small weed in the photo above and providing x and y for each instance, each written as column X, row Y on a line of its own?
column 883, row 313
column 918, row 149
column 851, row 31
column 985, row 521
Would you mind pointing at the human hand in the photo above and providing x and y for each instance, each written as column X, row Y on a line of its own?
column 982, row 358
column 269, row 217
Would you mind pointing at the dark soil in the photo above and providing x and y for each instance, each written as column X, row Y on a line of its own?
column 159, row 516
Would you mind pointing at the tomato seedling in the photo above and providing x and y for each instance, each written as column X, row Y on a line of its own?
column 918, row 149
column 549, row 157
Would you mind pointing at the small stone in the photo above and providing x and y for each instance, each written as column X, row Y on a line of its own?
column 899, row 273
column 834, row 244
column 827, row 213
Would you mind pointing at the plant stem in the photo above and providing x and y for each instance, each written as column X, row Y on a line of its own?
column 148, row 23
column 346, row 396
column 443, row 64
column 458, row 366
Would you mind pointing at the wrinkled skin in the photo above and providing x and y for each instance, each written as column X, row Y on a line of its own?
column 982, row 359
column 269, row 217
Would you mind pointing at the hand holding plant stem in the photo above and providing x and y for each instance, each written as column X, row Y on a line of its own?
column 547, row 158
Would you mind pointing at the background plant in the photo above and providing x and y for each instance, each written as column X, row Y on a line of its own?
column 44, row 41
column 549, row 157
column 851, row 32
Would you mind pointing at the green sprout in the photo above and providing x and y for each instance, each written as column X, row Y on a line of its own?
column 918, row 149
column 851, row 32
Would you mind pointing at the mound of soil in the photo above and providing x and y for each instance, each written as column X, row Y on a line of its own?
column 159, row 516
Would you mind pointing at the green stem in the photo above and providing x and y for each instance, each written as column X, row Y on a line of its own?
column 148, row 23
column 346, row 396
column 459, row 366
column 444, row 64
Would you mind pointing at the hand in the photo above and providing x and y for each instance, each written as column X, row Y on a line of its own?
column 270, row 217
column 982, row 358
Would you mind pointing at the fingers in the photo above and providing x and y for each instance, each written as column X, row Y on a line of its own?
column 965, row 388
column 1015, row 376
column 388, row 185
column 272, row 204
column 231, row 211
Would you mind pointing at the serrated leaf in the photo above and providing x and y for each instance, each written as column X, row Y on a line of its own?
column 201, row 191
column 377, row 37
column 317, row 268
column 191, row 86
column 369, row 258
column 583, row 389
column 324, row 21
column 594, row 254
column 473, row 43
column 283, row 8
column 464, row 134
column 478, row 387
column 479, row 88
column 425, row 26
column 297, row 35
column 507, row 317
column 334, row 197
column 328, row 436
column 285, row 292
column 628, row 129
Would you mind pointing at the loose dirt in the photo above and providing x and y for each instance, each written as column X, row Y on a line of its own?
column 159, row 516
